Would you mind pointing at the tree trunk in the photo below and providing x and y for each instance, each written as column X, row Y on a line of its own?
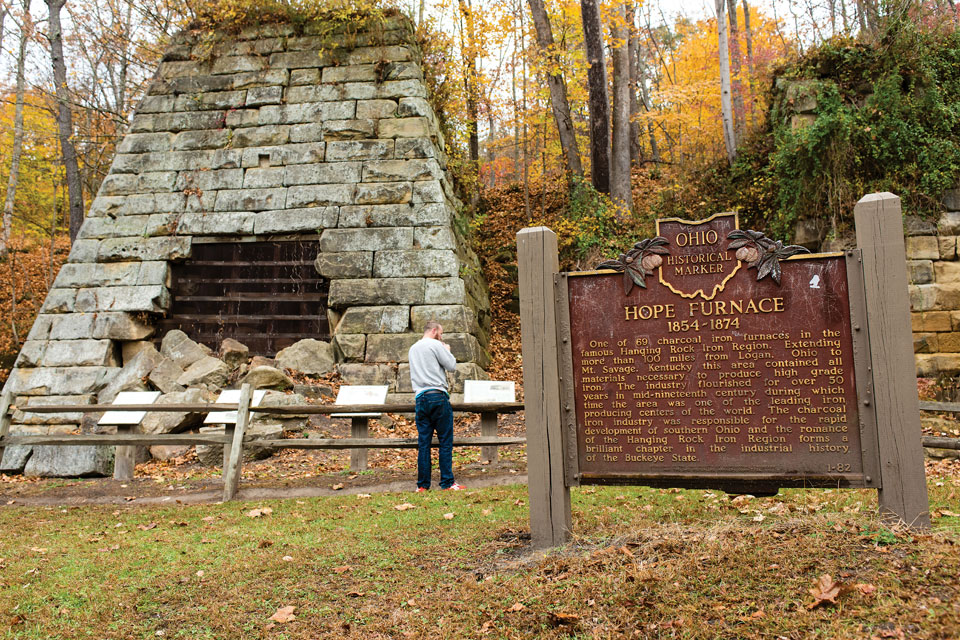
column 470, row 84
column 516, row 109
column 526, row 160
column 726, row 108
column 599, row 104
column 65, row 120
column 647, row 104
column 491, row 140
column 17, row 151
column 633, row 45
column 620, row 165
column 739, row 111
column 750, row 70
column 558, row 89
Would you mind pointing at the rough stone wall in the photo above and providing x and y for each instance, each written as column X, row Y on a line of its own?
column 272, row 133
column 934, row 270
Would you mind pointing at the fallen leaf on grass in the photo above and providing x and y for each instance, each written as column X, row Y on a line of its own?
column 200, row 573
column 284, row 615
column 758, row 614
column 563, row 619
column 486, row 512
column 864, row 589
column 448, row 516
column 404, row 506
column 519, row 502
column 825, row 591
column 287, row 558
column 256, row 513
column 356, row 594
column 147, row 527
column 516, row 607
column 949, row 514
column 337, row 486
column 363, row 496
column 263, row 544
column 40, row 550
column 342, row 569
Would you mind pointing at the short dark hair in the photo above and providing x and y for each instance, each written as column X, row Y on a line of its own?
column 431, row 325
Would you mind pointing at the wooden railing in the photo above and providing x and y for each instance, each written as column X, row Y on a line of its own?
column 234, row 439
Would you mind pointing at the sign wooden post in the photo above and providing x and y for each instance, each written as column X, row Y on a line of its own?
column 711, row 356
column 231, row 472
column 550, row 518
column 903, row 494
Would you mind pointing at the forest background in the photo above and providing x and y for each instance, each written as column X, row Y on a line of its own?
column 593, row 117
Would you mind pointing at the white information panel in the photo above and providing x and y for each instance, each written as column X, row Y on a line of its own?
column 129, row 417
column 232, row 396
column 488, row 391
column 360, row 394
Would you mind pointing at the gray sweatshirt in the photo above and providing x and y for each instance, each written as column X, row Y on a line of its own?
column 428, row 361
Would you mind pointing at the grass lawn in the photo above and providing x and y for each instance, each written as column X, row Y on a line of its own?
column 644, row 563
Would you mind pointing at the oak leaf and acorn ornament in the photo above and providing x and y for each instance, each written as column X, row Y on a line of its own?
column 762, row 253
column 639, row 262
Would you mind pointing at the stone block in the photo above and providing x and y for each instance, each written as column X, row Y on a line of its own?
column 434, row 238
column 413, row 106
column 69, row 461
column 445, row 291
column 59, row 301
column 145, row 142
column 389, row 347
column 177, row 346
column 428, row 263
column 407, row 148
column 130, row 348
column 925, row 343
column 72, row 326
column 123, row 226
column 261, row 136
column 955, row 320
column 75, row 276
column 348, row 292
column 917, row 226
column 80, row 353
column 263, row 178
column 398, row 89
column 264, row 377
column 251, row 199
column 455, row 318
column 380, row 215
column 184, row 121
column 949, row 223
column 365, row 55
column 404, row 170
column 348, row 129
column 948, row 247
column 358, row 91
column 368, row 374
column 926, row 365
column 951, row 200
column 948, row 342
column 320, row 195
column 342, row 150
column 920, row 271
column 295, row 220
column 296, row 59
column 922, row 248
column 15, row 458
column 164, row 376
column 305, row 153
column 416, row 127
column 84, row 251
column 314, row 93
column 947, row 272
column 234, row 353
column 259, row 96
column 156, row 104
column 322, row 173
column 377, row 319
column 208, row 370
column 372, row 239
column 219, row 223
column 204, row 139
column 401, row 71
column 936, row 321
column 121, row 326
column 948, row 363
column 31, row 354
column 170, row 422
column 349, row 347
column 213, row 180
column 345, row 264
column 24, row 416
column 466, row 348
column 300, row 77
column 152, row 299
column 312, row 132
column 59, row 381
column 376, row 109
column 211, row 100
column 384, row 193
column 237, row 118
column 146, row 249
column 132, row 375
column 310, row 356
column 42, row 324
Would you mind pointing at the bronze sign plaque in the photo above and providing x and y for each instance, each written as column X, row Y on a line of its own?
column 712, row 356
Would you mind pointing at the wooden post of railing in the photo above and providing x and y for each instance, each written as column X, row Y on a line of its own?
column 359, row 428
column 232, row 468
column 125, row 456
column 903, row 492
column 550, row 517
column 488, row 427
column 5, row 401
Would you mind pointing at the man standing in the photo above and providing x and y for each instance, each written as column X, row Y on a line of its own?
column 429, row 359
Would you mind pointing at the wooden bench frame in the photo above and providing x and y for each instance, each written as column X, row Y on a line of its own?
column 234, row 439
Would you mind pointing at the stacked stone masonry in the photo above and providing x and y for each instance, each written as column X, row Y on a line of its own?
column 272, row 134
column 934, row 267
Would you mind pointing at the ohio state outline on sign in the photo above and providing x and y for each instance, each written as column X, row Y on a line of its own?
column 699, row 263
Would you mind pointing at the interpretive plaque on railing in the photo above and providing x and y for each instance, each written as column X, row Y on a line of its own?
column 714, row 356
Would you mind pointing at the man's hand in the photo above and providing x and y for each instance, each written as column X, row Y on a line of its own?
column 446, row 345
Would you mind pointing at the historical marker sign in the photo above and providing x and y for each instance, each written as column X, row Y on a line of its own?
column 690, row 370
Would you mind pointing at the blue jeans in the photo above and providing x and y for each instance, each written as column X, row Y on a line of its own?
column 434, row 414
